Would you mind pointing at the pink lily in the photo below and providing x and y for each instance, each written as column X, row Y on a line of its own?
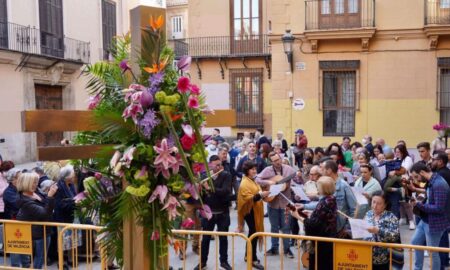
column 171, row 206
column 160, row 192
column 176, row 165
column 160, row 169
column 132, row 111
column 128, row 155
column 115, row 159
column 94, row 101
column 187, row 223
column 193, row 190
column 165, row 155
column 206, row 212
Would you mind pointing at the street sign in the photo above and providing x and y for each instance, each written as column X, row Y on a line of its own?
column 298, row 104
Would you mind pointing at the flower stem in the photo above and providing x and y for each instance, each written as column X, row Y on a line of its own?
column 181, row 151
column 199, row 140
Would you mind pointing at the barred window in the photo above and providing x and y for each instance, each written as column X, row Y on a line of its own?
column 444, row 96
column 108, row 26
column 247, row 96
column 339, row 98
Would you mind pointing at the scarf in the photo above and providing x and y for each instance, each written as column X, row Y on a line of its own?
column 247, row 190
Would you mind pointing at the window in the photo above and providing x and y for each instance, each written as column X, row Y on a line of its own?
column 339, row 102
column 51, row 26
column 445, row 4
column 353, row 6
column 325, row 7
column 3, row 25
column 444, row 95
column 108, row 26
column 247, row 96
column 246, row 17
column 339, row 6
column 177, row 27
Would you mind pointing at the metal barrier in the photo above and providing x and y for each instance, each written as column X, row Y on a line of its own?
column 356, row 243
column 90, row 231
column 20, row 246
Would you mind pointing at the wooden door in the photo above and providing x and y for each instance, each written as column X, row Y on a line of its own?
column 338, row 14
column 48, row 98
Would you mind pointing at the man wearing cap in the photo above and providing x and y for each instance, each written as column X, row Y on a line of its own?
column 301, row 143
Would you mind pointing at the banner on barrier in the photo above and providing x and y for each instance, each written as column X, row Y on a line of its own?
column 352, row 257
column 18, row 238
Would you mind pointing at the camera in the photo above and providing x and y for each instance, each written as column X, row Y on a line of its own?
column 2, row 140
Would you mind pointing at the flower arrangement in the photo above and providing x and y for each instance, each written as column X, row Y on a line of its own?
column 440, row 126
column 154, row 118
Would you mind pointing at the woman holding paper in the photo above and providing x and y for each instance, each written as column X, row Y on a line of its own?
column 322, row 222
column 385, row 229
column 250, row 207
column 368, row 185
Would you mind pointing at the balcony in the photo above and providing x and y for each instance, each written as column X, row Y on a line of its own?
column 223, row 47
column 172, row 3
column 437, row 20
column 339, row 19
column 437, row 12
column 37, row 44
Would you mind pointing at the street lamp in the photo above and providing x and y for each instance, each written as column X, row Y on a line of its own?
column 288, row 41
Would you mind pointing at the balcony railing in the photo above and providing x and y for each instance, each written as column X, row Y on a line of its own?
column 223, row 46
column 30, row 40
column 339, row 14
column 171, row 3
column 437, row 12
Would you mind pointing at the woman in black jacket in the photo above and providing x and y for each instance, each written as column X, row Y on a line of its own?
column 33, row 206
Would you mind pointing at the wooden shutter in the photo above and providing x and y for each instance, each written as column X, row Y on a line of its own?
column 51, row 26
column 108, row 25
column 3, row 25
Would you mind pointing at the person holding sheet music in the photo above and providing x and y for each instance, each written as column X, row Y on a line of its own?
column 251, row 209
column 369, row 184
column 276, row 208
column 346, row 201
column 322, row 222
column 385, row 229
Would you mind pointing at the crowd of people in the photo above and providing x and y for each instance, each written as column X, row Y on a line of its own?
column 400, row 188
column 44, row 194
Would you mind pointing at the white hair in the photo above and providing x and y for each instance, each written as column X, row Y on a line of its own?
column 66, row 171
column 277, row 143
column 11, row 174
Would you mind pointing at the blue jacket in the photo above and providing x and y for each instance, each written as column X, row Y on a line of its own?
column 10, row 196
column 260, row 165
column 346, row 202
column 65, row 205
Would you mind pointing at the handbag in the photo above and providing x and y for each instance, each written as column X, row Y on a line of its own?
column 398, row 256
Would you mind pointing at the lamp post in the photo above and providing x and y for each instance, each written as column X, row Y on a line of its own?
column 288, row 41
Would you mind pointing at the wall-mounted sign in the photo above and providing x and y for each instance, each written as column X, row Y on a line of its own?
column 300, row 65
column 298, row 104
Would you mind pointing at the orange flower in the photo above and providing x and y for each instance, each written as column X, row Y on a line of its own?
column 156, row 24
column 175, row 117
column 156, row 67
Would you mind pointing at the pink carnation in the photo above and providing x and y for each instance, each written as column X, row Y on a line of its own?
column 183, row 84
column 195, row 90
column 193, row 102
